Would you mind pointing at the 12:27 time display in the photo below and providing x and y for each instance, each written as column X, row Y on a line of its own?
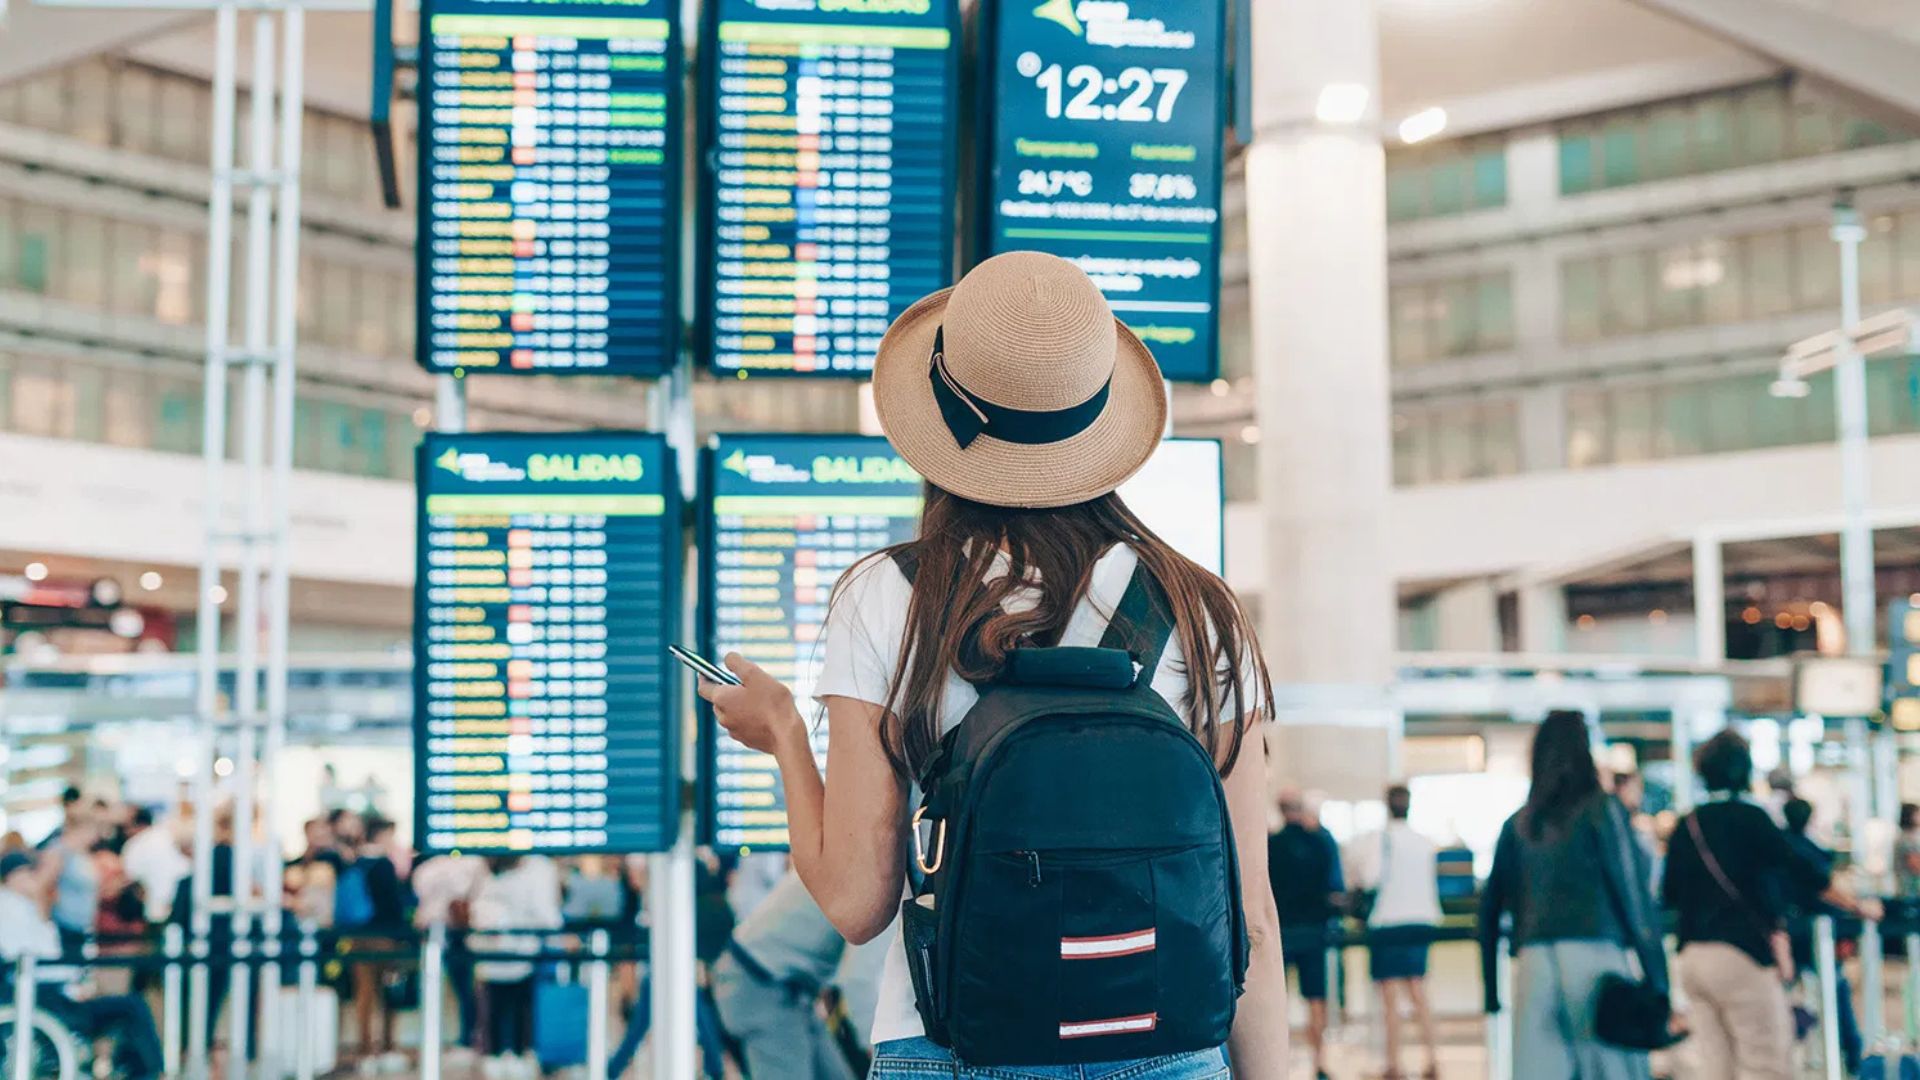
column 1075, row 93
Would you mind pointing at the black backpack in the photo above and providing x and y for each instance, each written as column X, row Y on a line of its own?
column 1081, row 893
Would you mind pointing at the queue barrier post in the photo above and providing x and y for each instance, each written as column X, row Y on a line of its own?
column 1826, row 970
column 309, row 980
column 598, row 970
column 1873, row 1014
column 1911, row 999
column 432, row 971
column 1500, row 1024
column 174, row 947
column 25, row 981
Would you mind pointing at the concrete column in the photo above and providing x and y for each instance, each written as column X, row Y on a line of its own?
column 1467, row 618
column 1543, row 427
column 1533, row 175
column 1543, row 618
column 1317, row 273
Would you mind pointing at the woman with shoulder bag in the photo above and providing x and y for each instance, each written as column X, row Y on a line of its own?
column 999, row 668
column 1727, row 866
column 1576, row 941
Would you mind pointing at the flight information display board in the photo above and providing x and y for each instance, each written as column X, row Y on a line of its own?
column 830, row 185
column 1108, row 123
column 544, row 716
column 787, row 515
column 549, row 187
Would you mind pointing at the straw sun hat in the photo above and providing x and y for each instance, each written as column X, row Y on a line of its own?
column 1018, row 387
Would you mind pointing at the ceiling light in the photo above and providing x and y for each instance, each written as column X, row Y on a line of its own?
column 151, row 580
column 36, row 571
column 1789, row 388
column 1423, row 125
column 1221, row 388
column 218, row 593
column 1342, row 103
column 1250, row 434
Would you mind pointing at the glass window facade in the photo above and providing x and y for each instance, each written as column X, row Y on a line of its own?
column 1752, row 125
column 1454, row 441
column 123, row 104
column 1462, row 316
column 132, row 405
column 1446, row 178
column 1733, row 279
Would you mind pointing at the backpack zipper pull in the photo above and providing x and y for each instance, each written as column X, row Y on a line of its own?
column 1033, row 868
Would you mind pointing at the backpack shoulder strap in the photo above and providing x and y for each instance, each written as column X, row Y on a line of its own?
column 1142, row 623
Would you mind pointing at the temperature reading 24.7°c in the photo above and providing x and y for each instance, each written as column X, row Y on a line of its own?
column 1084, row 92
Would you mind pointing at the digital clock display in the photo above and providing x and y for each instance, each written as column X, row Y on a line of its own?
column 1107, row 127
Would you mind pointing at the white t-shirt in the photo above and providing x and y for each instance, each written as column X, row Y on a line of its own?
column 863, row 636
column 1402, row 865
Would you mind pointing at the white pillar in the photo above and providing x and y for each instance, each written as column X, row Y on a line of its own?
column 1543, row 618
column 1317, row 279
column 1466, row 618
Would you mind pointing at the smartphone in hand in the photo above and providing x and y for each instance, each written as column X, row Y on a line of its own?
column 703, row 667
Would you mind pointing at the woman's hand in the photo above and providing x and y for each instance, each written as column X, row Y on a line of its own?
column 759, row 713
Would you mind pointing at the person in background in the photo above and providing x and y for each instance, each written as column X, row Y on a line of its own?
column 25, row 930
column 1303, row 866
column 1630, row 791
column 1399, row 867
column 377, row 927
column 68, row 856
column 1906, row 853
column 220, row 923
column 593, row 891
column 1798, row 813
column 444, row 887
column 519, row 898
column 153, row 860
column 767, row 987
column 1727, row 866
column 712, row 927
column 1574, row 922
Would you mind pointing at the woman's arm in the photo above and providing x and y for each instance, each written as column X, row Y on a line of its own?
column 1259, row 1040
column 846, row 837
column 1493, row 908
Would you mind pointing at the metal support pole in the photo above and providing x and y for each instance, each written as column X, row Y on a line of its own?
column 173, row 947
column 253, row 436
column 598, row 970
column 449, row 404
column 213, row 439
column 1825, row 969
column 670, row 883
column 25, row 982
column 286, row 282
column 303, row 1028
column 1873, row 989
column 432, row 974
column 1859, row 784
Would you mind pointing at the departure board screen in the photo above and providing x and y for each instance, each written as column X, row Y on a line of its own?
column 544, row 716
column 549, row 187
column 787, row 515
column 1108, row 122
column 831, row 163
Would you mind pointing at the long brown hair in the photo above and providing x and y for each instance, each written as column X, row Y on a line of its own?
column 1052, row 553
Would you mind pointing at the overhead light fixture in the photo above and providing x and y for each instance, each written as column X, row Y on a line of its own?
column 1342, row 103
column 1423, row 125
column 36, row 571
column 1789, row 388
column 151, row 581
column 218, row 594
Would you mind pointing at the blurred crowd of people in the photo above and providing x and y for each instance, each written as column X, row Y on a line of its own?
column 775, row 979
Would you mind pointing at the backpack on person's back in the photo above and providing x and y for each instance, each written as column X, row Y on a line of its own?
column 1082, row 894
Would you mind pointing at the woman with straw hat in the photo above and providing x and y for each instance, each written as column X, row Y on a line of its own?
column 1024, row 404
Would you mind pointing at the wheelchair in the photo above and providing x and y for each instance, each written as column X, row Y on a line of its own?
column 57, row 1052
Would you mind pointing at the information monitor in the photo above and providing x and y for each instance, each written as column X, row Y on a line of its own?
column 786, row 515
column 830, row 155
column 544, row 699
column 1108, row 123
column 549, row 191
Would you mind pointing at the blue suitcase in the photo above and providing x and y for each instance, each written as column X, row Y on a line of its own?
column 559, row 1024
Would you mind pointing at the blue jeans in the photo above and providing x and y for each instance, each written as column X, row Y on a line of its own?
column 912, row 1059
